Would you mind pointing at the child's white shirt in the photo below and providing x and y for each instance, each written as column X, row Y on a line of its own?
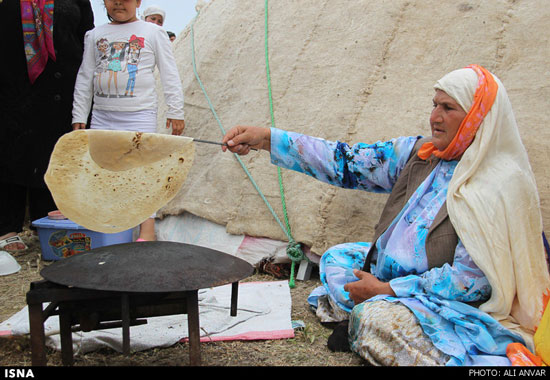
column 128, row 53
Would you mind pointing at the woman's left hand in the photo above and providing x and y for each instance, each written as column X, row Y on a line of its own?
column 177, row 126
column 366, row 287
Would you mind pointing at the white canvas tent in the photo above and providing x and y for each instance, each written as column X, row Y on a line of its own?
column 352, row 71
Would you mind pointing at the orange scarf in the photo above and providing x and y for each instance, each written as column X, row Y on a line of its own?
column 483, row 100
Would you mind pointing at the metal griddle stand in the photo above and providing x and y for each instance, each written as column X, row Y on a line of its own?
column 120, row 285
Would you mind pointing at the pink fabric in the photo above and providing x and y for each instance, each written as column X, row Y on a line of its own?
column 37, row 23
column 252, row 335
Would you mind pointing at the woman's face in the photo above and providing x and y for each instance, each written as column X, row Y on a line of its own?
column 446, row 117
column 155, row 19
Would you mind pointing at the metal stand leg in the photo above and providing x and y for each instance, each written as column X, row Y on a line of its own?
column 125, row 311
column 234, row 296
column 66, row 336
column 38, row 338
column 193, row 327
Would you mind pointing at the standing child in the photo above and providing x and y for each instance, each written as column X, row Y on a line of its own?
column 135, row 48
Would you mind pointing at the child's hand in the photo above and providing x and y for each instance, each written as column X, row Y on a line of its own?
column 177, row 126
column 79, row 126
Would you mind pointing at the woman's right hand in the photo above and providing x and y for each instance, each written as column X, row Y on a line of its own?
column 79, row 126
column 241, row 139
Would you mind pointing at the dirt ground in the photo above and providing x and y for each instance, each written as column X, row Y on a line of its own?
column 307, row 348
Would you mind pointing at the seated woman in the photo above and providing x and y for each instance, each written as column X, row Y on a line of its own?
column 457, row 269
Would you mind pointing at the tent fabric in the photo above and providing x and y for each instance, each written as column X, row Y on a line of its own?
column 347, row 71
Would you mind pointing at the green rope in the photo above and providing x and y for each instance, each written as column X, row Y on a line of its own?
column 293, row 249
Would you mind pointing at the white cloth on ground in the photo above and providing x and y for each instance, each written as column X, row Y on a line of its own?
column 264, row 310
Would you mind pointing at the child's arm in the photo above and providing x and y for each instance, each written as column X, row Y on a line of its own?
column 84, row 86
column 171, row 83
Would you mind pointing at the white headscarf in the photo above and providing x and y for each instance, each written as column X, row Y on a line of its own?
column 154, row 10
column 494, row 206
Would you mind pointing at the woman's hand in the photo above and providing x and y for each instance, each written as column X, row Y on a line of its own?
column 241, row 139
column 177, row 126
column 366, row 287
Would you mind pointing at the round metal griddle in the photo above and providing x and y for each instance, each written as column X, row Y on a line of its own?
column 148, row 267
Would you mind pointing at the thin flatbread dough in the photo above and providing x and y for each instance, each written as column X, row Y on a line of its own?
column 123, row 150
column 130, row 176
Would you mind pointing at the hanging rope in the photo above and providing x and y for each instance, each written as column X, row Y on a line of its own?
column 293, row 249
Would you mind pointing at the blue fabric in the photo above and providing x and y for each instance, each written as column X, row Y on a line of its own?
column 435, row 296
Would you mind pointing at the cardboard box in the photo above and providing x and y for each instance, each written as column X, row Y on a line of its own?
column 63, row 238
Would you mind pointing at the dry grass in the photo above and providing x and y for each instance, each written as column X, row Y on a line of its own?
column 307, row 348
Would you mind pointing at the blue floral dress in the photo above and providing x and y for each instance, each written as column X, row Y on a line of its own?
column 436, row 297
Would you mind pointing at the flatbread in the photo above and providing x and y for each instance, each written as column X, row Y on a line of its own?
column 123, row 150
column 111, row 181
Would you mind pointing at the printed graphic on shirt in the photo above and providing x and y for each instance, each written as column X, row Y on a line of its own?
column 118, row 64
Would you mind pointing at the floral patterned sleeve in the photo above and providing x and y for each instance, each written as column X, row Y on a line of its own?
column 371, row 167
column 463, row 281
